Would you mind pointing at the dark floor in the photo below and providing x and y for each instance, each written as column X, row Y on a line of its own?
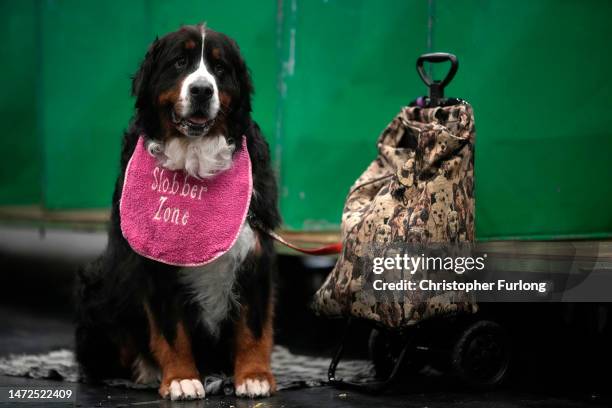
column 561, row 352
column 326, row 397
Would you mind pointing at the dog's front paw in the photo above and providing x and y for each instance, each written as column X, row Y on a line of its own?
column 182, row 389
column 256, row 385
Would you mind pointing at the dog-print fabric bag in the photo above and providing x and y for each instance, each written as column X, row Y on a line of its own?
column 418, row 193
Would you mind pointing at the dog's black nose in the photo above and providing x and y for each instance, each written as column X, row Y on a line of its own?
column 201, row 91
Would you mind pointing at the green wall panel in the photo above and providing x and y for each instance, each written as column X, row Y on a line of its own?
column 89, row 52
column 538, row 76
column 20, row 167
column 329, row 75
column 348, row 67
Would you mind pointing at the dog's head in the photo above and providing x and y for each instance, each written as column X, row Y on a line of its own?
column 191, row 82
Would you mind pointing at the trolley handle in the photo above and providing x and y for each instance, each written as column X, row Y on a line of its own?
column 436, row 87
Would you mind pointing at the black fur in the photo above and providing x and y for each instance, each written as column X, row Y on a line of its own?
column 111, row 291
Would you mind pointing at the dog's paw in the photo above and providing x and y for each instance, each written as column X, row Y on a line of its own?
column 183, row 390
column 256, row 385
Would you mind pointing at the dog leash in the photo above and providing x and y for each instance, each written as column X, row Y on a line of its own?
column 330, row 249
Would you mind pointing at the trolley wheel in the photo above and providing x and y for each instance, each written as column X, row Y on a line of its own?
column 481, row 356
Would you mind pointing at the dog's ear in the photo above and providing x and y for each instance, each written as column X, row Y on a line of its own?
column 142, row 78
column 245, row 85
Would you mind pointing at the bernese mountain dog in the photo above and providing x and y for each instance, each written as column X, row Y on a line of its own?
column 151, row 321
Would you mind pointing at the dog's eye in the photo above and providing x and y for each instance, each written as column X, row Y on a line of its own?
column 219, row 69
column 180, row 63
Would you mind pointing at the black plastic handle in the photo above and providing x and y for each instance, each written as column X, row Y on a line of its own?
column 436, row 88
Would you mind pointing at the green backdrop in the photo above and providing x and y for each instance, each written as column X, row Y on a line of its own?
column 329, row 75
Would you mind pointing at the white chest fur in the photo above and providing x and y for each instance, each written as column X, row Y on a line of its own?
column 212, row 285
column 200, row 157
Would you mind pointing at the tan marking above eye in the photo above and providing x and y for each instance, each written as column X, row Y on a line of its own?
column 216, row 53
column 190, row 44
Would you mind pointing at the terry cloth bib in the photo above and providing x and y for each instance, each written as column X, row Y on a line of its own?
column 177, row 219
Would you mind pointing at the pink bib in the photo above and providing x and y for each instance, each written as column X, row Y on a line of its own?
column 176, row 219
